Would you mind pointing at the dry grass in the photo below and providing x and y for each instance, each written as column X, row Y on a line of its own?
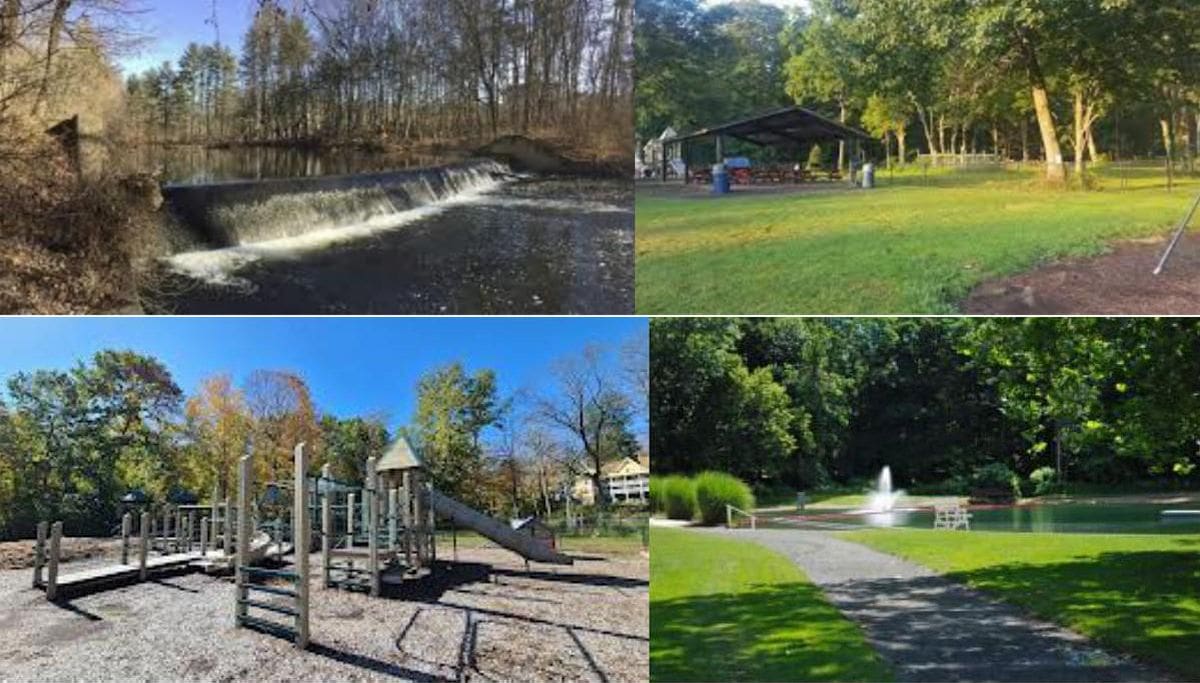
column 66, row 246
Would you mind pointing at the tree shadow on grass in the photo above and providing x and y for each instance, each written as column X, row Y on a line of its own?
column 1146, row 603
column 778, row 632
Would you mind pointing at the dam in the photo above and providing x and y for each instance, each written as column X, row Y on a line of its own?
column 471, row 237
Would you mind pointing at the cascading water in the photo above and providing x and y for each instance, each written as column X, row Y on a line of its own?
column 883, row 498
column 244, row 213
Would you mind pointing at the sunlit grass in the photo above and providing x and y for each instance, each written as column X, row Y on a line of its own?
column 916, row 244
column 729, row 610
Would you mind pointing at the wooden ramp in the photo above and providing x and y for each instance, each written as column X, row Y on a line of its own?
column 95, row 576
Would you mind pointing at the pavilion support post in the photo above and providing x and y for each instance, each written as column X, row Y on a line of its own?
column 720, row 150
column 203, row 536
column 663, row 162
column 683, row 156
column 39, row 554
column 55, row 547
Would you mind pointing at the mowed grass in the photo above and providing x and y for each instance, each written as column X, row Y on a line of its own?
column 913, row 245
column 729, row 610
column 1134, row 593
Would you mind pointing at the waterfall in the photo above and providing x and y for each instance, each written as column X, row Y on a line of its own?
column 242, row 213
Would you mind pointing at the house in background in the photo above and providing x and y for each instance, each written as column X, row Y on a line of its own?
column 624, row 481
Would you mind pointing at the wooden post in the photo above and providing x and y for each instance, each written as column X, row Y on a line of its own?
column 212, row 512
column 126, row 521
column 144, row 544
column 407, row 518
column 55, row 546
column 203, row 537
column 371, row 504
column 39, row 554
column 393, row 500
column 226, row 531
column 326, row 536
column 417, row 519
column 432, row 534
column 301, row 538
column 728, row 517
column 350, row 519
column 245, row 472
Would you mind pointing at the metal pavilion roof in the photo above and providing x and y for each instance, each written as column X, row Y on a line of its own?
column 790, row 125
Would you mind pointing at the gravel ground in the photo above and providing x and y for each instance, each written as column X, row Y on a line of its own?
column 930, row 628
column 589, row 622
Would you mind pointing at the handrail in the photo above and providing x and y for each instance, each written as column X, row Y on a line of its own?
column 729, row 510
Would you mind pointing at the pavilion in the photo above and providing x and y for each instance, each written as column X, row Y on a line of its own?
column 791, row 127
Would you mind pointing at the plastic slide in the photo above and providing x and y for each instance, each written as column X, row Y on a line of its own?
column 493, row 529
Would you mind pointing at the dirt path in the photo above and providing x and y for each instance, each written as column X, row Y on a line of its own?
column 1121, row 282
column 932, row 629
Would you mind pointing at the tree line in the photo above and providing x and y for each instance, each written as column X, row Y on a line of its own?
column 73, row 442
column 815, row 402
column 396, row 71
column 1021, row 79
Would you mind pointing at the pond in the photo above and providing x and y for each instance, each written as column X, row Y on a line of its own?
column 1059, row 518
column 191, row 164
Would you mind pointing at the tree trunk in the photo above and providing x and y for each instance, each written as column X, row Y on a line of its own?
column 10, row 13
column 902, row 153
column 1080, row 134
column 1024, row 139
column 1055, row 171
column 53, row 37
column 1093, row 155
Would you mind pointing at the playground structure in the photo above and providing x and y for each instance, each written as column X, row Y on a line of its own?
column 175, row 538
column 380, row 533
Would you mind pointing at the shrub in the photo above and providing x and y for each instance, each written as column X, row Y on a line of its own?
column 678, row 497
column 656, row 495
column 1044, row 480
column 997, row 476
column 715, row 490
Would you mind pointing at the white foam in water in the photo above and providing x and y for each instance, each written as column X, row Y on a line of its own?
column 217, row 266
column 556, row 204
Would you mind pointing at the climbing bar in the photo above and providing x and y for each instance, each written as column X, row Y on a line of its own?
column 259, row 571
column 272, row 590
column 278, row 609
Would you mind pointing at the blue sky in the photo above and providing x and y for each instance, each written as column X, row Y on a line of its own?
column 169, row 25
column 354, row 366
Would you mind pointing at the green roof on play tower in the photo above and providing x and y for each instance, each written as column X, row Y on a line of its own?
column 399, row 456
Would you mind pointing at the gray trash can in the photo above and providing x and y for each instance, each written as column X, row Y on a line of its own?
column 868, row 178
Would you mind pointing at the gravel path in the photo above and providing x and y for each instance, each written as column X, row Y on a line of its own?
column 589, row 622
column 930, row 628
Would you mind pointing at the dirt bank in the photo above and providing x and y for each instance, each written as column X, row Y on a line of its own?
column 1120, row 282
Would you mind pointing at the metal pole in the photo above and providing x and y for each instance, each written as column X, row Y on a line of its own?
column 301, row 537
column 407, row 512
column 350, row 508
column 203, row 536
column 393, row 499
column 1178, row 234
column 326, row 524
column 226, row 527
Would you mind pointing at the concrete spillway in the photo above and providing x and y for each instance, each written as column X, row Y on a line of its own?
column 247, row 212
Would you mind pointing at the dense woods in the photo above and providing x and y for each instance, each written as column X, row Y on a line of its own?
column 814, row 402
column 399, row 71
column 1077, row 80
column 73, row 442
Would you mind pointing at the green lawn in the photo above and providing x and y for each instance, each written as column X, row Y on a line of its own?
column 1135, row 593
column 727, row 610
column 910, row 246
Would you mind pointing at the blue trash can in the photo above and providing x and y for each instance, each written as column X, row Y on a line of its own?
column 720, row 179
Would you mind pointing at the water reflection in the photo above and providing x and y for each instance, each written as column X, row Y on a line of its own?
column 191, row 164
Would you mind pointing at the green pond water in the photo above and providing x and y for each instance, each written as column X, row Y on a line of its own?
column 1061, row 518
